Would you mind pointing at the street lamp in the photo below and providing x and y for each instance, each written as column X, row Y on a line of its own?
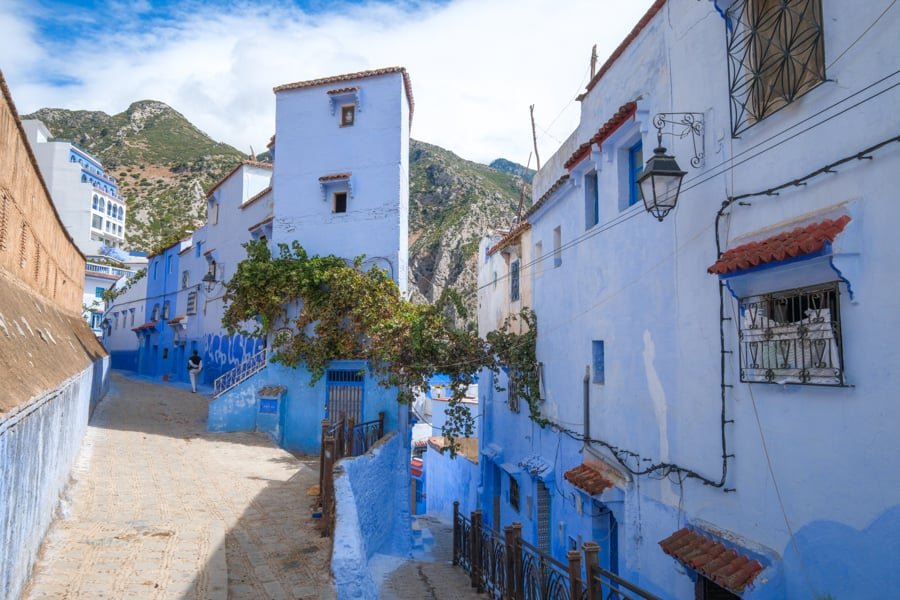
column 660, row 182
column 210, row 280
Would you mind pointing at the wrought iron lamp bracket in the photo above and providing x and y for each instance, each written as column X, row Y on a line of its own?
column 683, row 124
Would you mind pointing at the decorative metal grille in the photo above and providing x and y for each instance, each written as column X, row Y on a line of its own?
column 792, row 336
column 775, row 55
column 345, row 395
column 543, row 517
column 191, row 303
column 514, row 281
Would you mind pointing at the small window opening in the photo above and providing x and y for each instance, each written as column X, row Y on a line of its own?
column 340, row 202
column 348, row 115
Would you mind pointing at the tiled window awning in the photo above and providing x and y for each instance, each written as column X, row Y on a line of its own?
column 724, row 566
column 145, row 326
column 795, row 243
column 588, row 479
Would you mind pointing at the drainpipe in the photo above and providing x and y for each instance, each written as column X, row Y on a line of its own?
column 587, row 404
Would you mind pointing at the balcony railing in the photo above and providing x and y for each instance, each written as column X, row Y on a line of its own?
column 506, row 567
column 108, row 270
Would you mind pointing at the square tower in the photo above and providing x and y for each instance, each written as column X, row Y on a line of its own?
column 341, row 177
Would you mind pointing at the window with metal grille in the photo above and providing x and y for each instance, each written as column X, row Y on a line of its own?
column 191, row 303
column 513, row 493
column 514, row 281
column 776, row 53
column 792, row 336
column 185, row 279
column 543, row 517
column 165, row 310
column 512, row 390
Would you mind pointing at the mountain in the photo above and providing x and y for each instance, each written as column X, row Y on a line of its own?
column 161, row 161
column 508, row 166
column 164, row 164
column 453, row 203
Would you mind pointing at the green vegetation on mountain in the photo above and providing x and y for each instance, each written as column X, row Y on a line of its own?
column 164, row 164
column 161, row 162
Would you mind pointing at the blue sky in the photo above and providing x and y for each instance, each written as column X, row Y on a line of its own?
column 475, row 65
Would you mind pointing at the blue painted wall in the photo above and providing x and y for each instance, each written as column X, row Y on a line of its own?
column 127, row 360
column 372, row 514
column 304, row 405
column 448, row 480
column 39, row 443
column 224, row 352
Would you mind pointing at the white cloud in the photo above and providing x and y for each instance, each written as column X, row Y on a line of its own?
column 475, row 65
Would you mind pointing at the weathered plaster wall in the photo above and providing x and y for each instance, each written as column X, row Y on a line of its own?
column 34, row 245
column 372, row 514
column 39, row 442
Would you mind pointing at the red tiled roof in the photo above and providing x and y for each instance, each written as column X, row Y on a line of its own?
column 790, row 244
column 651, row 12
column 345, row 90
column 543, row 199
column 271, row 141
column 249, row 163
column 148, row 325
column 722, row 565
column 271, row 390
column 176, row 320
column 588, row 479
column 253, row 199
column 507, row 239
column 335, row 177
column 351, row 77
column 265, row 221
column 625, row 112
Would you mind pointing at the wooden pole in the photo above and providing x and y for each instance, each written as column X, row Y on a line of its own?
column 593, row 62
column 518, row 576
column 574, row 557
column 591, row 563
column 537, row 157
column 475, row 549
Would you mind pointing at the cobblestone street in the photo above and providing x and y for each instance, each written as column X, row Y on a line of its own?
column 160, row 509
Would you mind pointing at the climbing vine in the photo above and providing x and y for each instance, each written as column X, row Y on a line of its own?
column 317, row 309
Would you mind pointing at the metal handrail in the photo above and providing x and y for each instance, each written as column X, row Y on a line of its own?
column 240, row 373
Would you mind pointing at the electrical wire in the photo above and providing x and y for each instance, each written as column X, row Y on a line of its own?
column 862, row 35
column 731, row 165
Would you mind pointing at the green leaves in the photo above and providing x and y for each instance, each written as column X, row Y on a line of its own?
column 320, row 309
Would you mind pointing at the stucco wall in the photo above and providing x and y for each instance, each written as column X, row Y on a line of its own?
column 447, row 480
column 372, row 514
column 39, row 442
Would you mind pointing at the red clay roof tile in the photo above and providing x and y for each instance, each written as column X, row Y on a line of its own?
column 148, row 325
column 507, row 239
column 351, row 77
column 789, row 244
column 712, row 559
column 335, row 177
column 588, row 479
column 651, row 12
column 625, row 112
column 543, row 199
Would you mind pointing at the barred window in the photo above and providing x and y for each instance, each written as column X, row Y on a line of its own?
column 776, row 54
column 513, row 493
column 792, row 336
column 512, row 390
column 514, row 281
column 192, row 303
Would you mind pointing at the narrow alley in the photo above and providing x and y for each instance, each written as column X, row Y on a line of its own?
column 160, row 509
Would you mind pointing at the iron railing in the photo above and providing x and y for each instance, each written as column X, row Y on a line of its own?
column 792, row 336
column 506, row 567
column 242, row 372
column 341, row 439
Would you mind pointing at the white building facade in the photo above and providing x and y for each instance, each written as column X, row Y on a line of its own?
column 698, row 437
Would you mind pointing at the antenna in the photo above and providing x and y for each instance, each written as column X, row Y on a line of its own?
column 522, row 192
column 593, row 61
column 537, row 157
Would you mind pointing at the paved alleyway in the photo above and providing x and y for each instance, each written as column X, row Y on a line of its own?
column 159, row 509
column 432, row 576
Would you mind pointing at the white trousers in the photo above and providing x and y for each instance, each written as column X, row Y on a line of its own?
column 194, row 374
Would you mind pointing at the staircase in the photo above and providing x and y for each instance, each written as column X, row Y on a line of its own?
column 242, row 372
